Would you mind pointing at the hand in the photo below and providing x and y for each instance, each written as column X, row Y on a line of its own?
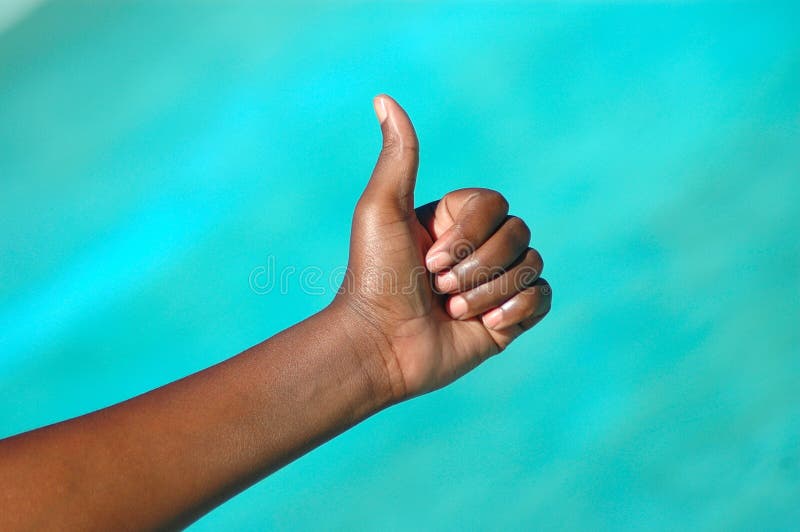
column 442, row 287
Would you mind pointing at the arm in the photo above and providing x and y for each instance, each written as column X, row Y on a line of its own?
column 430, row 294
column 166, row 457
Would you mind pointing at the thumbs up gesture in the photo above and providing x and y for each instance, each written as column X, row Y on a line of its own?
column 440, row 288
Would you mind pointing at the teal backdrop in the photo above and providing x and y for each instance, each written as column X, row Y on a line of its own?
column 153, row 155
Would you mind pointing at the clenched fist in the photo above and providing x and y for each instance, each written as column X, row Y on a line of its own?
column 442, row 287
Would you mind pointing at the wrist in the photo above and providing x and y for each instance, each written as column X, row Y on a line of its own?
column 372, row 349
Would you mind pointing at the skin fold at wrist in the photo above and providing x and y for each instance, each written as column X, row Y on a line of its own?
column 373, row 350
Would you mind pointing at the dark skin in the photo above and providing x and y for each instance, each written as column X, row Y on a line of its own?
column 463, row 284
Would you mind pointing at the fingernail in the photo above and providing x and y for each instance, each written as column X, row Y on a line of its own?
column 458, row 306
column 380, row 108
column 447, row 282
column 492, row 319
column 437, row 261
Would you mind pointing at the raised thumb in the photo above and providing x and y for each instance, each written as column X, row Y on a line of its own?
column 395, row 173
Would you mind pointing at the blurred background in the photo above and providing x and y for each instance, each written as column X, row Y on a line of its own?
column 153, row 154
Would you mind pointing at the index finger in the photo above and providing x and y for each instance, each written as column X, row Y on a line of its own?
column 463, row 220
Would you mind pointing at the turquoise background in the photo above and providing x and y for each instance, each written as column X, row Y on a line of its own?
column 152, row 154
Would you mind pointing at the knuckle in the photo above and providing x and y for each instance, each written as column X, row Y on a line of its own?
column 527, row 273
column 365, row 207
column 371, row 212
column 519, row 230
column 411, row 146
column 390, row 145
column 544, row 288
column 397, row 147
column 534, row 259
column 362, row 207
column 495, row 199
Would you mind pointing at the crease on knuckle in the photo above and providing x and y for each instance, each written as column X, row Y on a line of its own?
column 391, row 146
column 395, row 146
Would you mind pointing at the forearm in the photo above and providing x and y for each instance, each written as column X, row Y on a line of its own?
column 169, row 455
